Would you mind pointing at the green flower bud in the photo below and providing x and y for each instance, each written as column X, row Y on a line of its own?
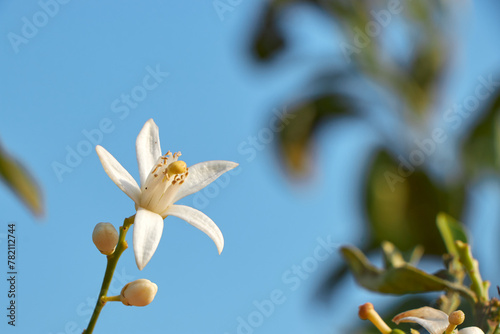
column 105, row 238
column 140, row 292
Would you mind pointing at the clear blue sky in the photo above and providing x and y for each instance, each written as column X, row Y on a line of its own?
column 61, row 81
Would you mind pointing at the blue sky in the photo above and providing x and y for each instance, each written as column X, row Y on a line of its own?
column 70, row 80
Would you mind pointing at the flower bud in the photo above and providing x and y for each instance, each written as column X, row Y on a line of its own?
column 105, row 238
column 140, row 292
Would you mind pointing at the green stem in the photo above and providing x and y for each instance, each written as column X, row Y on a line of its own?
column 472, row 267
column 113, row 299
column 110, row 269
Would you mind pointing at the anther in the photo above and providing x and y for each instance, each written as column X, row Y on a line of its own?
column 156, row 168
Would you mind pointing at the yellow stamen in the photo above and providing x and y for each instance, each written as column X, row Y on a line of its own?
column 177, row 167
column 455, row 318
column 156, row 168
column 367, row 312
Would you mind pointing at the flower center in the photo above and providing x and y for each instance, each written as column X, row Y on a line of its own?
column 163, row 182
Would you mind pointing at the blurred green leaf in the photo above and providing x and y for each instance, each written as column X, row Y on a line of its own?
column 426, row 69
column 300, row 126
column 397, row 280
column 268, row 39
column 481, row 148
column 451, row 230
column 402, row 204
column 394, row 258
column 20, row 181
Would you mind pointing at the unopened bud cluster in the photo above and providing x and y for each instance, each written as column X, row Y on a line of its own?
column 140, row 292
column 105, row 238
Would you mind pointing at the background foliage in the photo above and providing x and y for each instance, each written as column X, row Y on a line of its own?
column 395, row 64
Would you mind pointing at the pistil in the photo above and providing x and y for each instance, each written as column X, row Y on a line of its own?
column 176, row 167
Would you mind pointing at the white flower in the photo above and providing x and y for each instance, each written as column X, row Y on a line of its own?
column 434, row 321
column 164, row 181
column 471, row 330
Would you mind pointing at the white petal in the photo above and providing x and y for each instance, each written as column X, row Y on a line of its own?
column 118, row 174
column 148, row 149
column 199, row 220
column 201, row 175
column 148, row 227
column 471, row 330
column 434, row 321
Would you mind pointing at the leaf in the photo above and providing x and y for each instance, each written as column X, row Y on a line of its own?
column 268, row 39
column 481, row 147
column 451, row 230
column 331, row 283
column 430, row 55
column 402, row 204
column 397, row 280
column 21, row 182
column 393, row 258
column 426, row 70
column 301, row 124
